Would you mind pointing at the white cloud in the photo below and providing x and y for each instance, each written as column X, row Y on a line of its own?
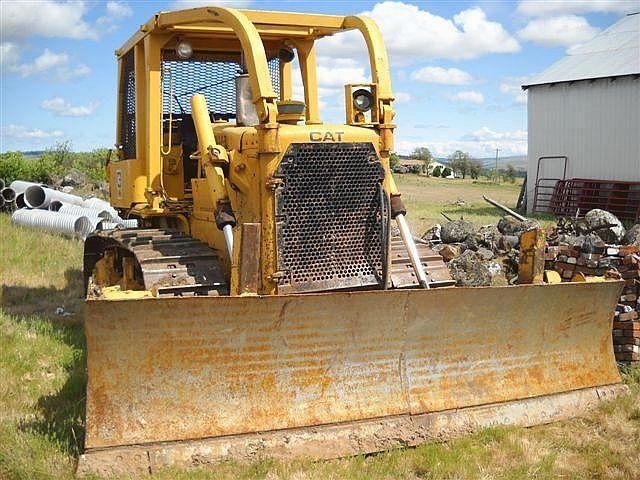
column 564, row 30
column 62, row 108
column 412, row 34
column 54, row 65
column 119, row 9
column 332, row 75
column 469, row 96
column 20, row 131
column 538, row 8
column 9, row 53
column 182, row 4
column 446, row 76
column 484, row 134
column 46, row 18
column 512, row 87
column 45, row 62
column 402, row 97
column 480, row 144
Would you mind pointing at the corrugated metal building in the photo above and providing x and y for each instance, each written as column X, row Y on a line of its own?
column 586, row 107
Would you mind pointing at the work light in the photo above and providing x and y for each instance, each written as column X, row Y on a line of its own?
column 362, row 100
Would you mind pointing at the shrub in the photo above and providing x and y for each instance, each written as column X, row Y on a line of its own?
column 437, row 171
column 446, row 172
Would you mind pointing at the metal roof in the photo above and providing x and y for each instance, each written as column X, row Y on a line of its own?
column 611, row 53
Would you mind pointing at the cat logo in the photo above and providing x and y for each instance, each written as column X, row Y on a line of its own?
column 325, row 137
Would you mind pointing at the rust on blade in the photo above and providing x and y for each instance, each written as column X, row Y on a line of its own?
column 169, row 369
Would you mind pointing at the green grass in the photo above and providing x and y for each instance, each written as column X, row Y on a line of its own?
column 42, row 371
column 426, row 197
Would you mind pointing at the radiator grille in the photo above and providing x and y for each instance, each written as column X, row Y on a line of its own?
column 329, row 217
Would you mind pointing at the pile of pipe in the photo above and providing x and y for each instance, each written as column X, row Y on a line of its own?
column 37, row 206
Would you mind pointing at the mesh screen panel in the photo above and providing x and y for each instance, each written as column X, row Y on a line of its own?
column 329, row 217
column 213, row 79
column 127, row 134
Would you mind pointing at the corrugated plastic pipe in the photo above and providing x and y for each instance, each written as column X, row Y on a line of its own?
column 72, row 225
column 98, row 203
column 55, row 205
column 37, row 196
column 129, row 223
column 2, row 184
column 107, row 225
column 2, row 202
column 8, row 193
column 20, row 185
column 87, row 212
column 20, row 201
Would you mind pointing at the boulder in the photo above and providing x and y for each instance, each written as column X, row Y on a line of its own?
column 606, row 225
column 468, row 270
column 75, row 178
column 457, row 231
column 433, row 234
column 512, row 226
column 489, row 237
column 449, row 252
column 485, row 253
column 632, row 237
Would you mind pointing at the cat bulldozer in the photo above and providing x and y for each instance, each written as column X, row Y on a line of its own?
column 273, row 301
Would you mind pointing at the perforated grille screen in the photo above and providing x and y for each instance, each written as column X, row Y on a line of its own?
column 329, row 217
column 213, row 79
column 127, row 134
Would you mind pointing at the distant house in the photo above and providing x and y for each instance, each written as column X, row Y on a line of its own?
column 586, row 107
column 434, row 164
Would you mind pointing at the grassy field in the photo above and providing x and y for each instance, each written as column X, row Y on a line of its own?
column 426, row 197
column 42, row 367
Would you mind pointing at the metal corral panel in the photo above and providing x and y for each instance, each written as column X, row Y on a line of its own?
column 595, row 123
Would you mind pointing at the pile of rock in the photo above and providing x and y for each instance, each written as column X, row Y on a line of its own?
column 597, row 245
column 480, row 257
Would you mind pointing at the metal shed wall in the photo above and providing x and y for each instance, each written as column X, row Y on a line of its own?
column 595, row 123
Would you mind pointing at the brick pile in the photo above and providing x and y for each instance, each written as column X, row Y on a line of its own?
column 571, row 262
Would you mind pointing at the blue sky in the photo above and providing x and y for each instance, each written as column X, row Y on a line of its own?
column 457, row 66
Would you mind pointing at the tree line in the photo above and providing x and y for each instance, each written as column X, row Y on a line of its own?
column 459, row 163
column 53, row 164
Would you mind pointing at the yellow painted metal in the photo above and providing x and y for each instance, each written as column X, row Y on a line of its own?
column 531, row 261
column 307, row 59
column 189, row 368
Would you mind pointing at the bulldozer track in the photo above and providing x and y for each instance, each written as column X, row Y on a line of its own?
column 169, row 262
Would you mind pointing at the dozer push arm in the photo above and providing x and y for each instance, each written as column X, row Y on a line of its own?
column 211, row 157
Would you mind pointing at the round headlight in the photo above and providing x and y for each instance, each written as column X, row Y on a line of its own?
column 362, row 100
column 184, row 50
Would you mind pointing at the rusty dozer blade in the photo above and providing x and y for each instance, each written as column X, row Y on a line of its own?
column 186, row 381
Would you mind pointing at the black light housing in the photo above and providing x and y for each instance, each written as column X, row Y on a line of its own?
column 286, row 54
column 362, row 100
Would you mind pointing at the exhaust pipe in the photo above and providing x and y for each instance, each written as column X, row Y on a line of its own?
column 37, row 196
column 54, row 222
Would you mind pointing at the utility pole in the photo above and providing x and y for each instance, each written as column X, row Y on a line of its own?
column 495, row 173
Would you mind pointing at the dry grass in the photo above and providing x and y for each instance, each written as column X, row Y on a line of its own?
column 42, row 366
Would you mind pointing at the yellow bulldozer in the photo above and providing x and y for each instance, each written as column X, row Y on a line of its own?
column 273, row 301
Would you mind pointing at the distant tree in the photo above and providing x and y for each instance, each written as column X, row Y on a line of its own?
column 446, row 172
column 437, row 171
column 424, row 155
column 510, row 174
column 460, row 162
column 393, row 160
column 475, row 168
